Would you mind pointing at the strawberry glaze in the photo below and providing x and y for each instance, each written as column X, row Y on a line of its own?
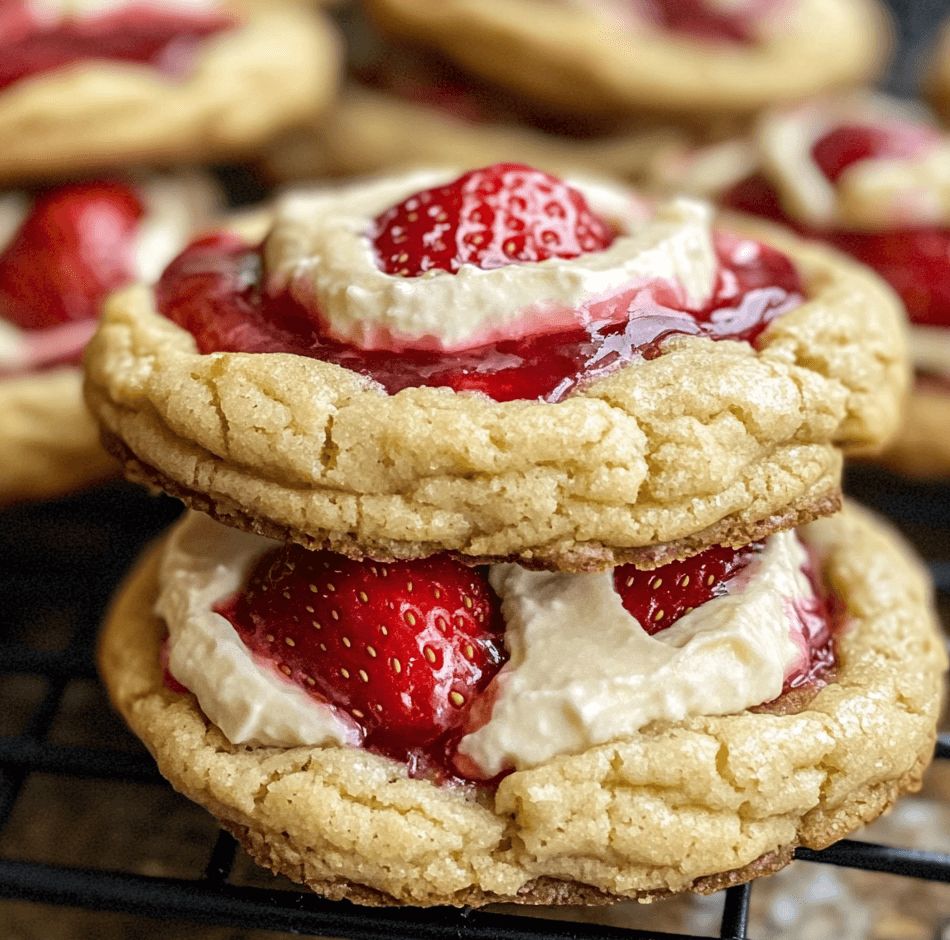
column 216, row 290
column 703, row 20
column 140, row 33
column 914, row 261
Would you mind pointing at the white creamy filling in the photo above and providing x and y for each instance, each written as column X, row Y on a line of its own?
column 582, row 670
column 321, row 249
column 930, row 348
column 876, row 193
column 204, row 563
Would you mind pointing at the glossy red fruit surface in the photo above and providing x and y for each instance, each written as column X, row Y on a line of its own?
column 141, row 33
column 74, row 248
column 489, row 218
column 214, row 289
column 704, row 20
column 658, row 598
column 405, row 647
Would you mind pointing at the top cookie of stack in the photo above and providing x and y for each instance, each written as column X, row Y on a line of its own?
column 503, row 366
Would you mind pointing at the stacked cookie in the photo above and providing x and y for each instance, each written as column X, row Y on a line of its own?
column 120, row 90
column 530, row 585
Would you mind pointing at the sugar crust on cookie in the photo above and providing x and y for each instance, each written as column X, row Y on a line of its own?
column 277, row 68
column 688, row 806
column 709, row 434
column 566, row 58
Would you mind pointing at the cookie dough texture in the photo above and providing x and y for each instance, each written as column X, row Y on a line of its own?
column 49, row 444
column 572, row 57
column 710, row 442
column 689, row 806
column 275, row 69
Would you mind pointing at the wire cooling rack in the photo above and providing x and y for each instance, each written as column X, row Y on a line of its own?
column 59, row 563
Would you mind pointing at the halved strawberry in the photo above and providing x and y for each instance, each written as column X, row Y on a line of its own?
column 490, row 217
column 403, row 647
column 658, row 598
column 74, row 248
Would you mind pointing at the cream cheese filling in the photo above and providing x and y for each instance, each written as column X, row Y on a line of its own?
column 321, row 250
column 582, row 670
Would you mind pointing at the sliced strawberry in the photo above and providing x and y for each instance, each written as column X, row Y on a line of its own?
column 74, row 248
column 404, row 648
column 658, row 598
column 491, row 217
column 851, row 143
column 704, row 20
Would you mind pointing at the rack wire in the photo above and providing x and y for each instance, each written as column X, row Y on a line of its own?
column 70, row 554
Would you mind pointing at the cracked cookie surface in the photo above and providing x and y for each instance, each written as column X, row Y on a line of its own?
column 694, row 805
column 239, row 93
column 711, row 442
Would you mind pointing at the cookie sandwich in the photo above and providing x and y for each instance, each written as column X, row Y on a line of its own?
column 509, row 602
column 699, row 60
column 62, row 250
column 870, row 175
column 88, row 86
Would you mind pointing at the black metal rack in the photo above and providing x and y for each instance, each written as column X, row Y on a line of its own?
column 58, row 564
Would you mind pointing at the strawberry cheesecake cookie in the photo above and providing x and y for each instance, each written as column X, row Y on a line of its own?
column 871, row 176
column 696, row 59
column 423, row 732
column 61, row 252
column 501, row 365
column 88, row 85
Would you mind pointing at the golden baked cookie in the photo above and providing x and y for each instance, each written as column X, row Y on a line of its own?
column 49, row 445
column 276, row 67
column 690, row 805
column 366, row 131
column 591, row 58
column 871, row 175
column 710, row 442
column 938, row 79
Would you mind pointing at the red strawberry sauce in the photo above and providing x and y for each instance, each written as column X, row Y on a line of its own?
column 141, row 33
column 914, row 261
column 703, row 20
column 216, row 290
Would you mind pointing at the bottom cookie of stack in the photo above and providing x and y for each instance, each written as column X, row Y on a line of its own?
column 694, row 804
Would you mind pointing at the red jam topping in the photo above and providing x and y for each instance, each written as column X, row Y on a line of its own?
column 75, row 247
column 142, row 33
column 914, row 261
column 702, row 20
column 215, row 290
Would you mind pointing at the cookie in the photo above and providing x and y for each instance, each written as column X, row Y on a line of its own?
column 869, row 174
column 109, row 232
column 690, row 805
column 367, row 131
column 272, row 64
column 697, row 442
column 589, row 58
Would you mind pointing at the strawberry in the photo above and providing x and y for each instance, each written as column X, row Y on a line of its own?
column 404, row 647
column 850, row 143
column 490, row 217
column 73, row 249
column 658, row 598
